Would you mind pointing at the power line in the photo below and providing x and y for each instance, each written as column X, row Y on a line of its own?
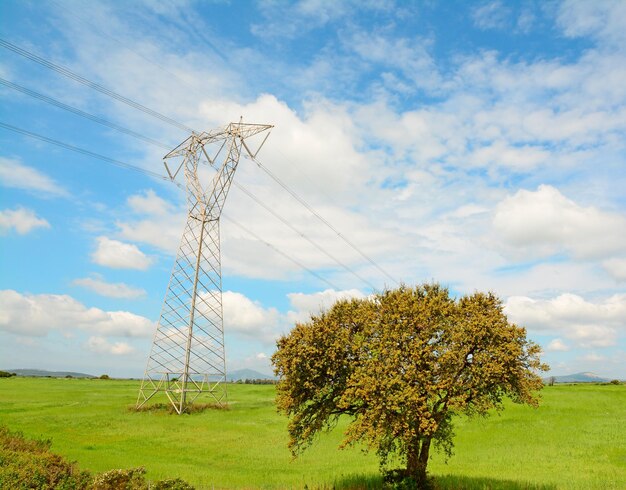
column 94, row 27
column 293, row 228
column 291, row 259
column 69, row 108
column 128, row 166
column 95, row 86
column 136, row 105
column 320, row 217
column 83, row 151
column 104, row 122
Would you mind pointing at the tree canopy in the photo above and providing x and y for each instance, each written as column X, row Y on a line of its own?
column 401, row 363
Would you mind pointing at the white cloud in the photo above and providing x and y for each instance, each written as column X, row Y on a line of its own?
column 119, row 255
column 557, row 345
column 110, row 290
column 149, row 203
column 37, row 315
column 158, row 222
column 244, row 316
column 409, row 56
column 291, row 20
column 20, row 219
column 587, row 324
column 525, row 21
column 100, row 345
column 549, row 223
column 305, row 305
column 594, row 357
column 250, row 318
column 15, row 174
column 602, row 19
column 491, row 15
column 616, row 268
column 498, row 122
column 500, row 153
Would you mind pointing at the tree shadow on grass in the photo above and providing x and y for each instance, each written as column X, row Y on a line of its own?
column 448, row 482
column 454, row 482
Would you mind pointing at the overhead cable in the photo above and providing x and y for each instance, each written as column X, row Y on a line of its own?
column 96, row 86
column 293, row 228
column 76, row 149
column 69, row 108
column 320, row 217
column 163, row 177
column 159, row 144
column 136, row 105
column 291, row 259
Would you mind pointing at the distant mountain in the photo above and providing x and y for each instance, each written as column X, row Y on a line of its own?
column 41, row 373
column 244, row 374
column 578, row 378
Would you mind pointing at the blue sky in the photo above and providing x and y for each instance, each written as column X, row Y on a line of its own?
column 478, row 144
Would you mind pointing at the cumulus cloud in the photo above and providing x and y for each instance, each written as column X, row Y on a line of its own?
column 39, row 314
column 101, row 345
column 557, row 345
column 119, row 255
column 409, row 56
column 156, row 221
column 491, row 15
column 537, row 119
column 244, row 314
column 586, row 323
column 250, row 318
column 547, row 222
column 499, row 153
column 292, row 19
column 304, row 305
column 13, row 173
column 616, row 268
column 21, row 220
column 110, row 290
column 604, row 20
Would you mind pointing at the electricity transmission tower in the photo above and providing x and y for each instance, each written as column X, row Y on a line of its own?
column 187, row 357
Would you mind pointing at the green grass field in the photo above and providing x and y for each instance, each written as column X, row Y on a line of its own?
column 575, row 440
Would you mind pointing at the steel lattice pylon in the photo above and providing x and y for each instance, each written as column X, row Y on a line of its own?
column 187, row 357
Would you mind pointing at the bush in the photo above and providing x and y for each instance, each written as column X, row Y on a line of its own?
column 5, row 374
column 130, row 479
column 175, row 484
column 26, row 463
column 104, row 376
column 616, row 382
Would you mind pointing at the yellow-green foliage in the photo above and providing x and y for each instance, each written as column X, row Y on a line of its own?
column 401, row 364
column 29, row 464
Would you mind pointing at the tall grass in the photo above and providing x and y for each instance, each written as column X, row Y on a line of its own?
column 575, row 440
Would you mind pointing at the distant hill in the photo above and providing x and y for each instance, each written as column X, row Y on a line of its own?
column 578, row 378
column 240, row 374
column 244, row 374
column 41, row 373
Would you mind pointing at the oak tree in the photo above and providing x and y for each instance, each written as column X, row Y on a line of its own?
column 400, row 364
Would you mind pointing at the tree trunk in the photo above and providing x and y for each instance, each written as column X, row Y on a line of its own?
column 417, row 460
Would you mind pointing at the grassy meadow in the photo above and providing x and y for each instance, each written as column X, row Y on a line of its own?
column 575, row 440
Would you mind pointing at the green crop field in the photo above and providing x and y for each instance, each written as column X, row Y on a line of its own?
column 575, row 440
